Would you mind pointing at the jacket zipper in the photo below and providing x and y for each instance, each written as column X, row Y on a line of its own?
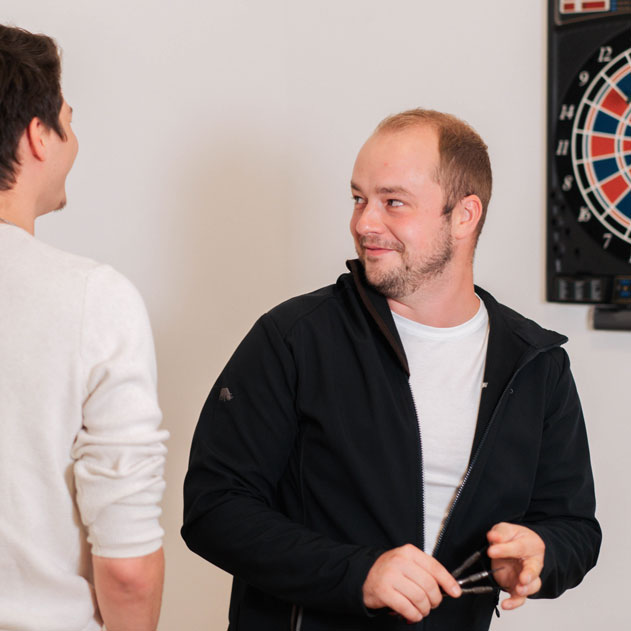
column 421, row 472
column 295, row 623
column 506, row 390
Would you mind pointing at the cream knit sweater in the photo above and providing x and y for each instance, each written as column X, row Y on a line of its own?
column 81, row 453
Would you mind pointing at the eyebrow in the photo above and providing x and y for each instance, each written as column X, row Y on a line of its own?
column 389, row 190
column 385, row 190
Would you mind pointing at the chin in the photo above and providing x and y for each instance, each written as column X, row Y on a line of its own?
column 377, row 265
column 376, row 275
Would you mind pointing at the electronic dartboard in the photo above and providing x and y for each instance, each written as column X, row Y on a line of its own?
column 589, row 157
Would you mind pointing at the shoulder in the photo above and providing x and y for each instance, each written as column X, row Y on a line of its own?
column 113, row 309
column 107, row 285
column 62, row 285
column 99, row 282
column 523, row 327
column 313, row 307
column 30, row 251
column 66, row 276
column 33, row 258
column 104, row 290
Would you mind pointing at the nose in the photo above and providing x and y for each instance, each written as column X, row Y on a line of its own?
column 369, row 219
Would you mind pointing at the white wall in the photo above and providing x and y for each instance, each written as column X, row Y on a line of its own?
column 217, row 140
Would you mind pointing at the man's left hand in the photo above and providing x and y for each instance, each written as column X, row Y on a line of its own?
column 519, row 551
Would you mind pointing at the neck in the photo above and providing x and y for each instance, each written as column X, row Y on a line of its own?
column 445, row 301
column 16, row 211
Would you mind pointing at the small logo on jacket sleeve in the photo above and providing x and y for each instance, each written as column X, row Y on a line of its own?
column 225, row 394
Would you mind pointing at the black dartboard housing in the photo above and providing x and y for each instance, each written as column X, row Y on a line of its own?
column 589, row 152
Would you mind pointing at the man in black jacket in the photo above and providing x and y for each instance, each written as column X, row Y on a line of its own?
column 366, row 438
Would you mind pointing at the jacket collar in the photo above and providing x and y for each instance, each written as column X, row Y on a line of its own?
column 377, row 306
column 512, row 337
column 528, row 331
column 513, row 342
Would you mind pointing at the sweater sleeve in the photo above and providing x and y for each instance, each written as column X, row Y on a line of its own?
column 119, row 452
column 563, row 503
column 245, row 436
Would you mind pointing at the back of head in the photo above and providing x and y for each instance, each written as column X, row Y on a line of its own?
column 30, row 87
column 464, row 167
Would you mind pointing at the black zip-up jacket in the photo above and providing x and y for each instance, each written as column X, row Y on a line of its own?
column 306, row 464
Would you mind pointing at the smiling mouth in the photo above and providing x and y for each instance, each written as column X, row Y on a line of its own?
column 375, row 249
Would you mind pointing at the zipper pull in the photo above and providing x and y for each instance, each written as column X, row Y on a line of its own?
column 497, row 600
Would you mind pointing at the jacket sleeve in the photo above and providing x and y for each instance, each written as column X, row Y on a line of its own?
column 563, row 503
column 246, row 433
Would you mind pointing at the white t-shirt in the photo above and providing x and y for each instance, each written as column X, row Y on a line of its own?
column 446, row 374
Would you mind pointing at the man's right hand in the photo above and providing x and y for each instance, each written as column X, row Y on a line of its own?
column 408, row 581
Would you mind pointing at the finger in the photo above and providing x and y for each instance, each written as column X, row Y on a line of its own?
column 429, row 566
column 424, row 572
column 428, row 590
column 504, row 571
column 505, row 551
column 419, row 599
column 518, row 548
column 531, row 569
column 402, row 605
column 442, row 577
column 415, row 588
column 415, row 592
column 520, row 541
column 502, row 532
column 513, row 602
column 529, row 589
column 423, row 579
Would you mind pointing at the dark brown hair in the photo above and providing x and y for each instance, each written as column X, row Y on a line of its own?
column 464, row 166
column 30, row 87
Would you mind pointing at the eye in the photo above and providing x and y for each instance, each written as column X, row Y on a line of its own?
column 358, row 199
column 394, row 203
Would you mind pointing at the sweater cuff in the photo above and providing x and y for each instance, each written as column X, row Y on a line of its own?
column 117, row 536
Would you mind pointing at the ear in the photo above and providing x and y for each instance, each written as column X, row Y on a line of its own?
column 37, row 138
column 466, row 216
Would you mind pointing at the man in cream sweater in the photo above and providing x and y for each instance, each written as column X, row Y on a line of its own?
column 81, row 454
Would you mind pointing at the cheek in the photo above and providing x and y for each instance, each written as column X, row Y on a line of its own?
column 404, row 232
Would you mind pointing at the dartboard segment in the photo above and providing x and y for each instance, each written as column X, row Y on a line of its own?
column 600, row 162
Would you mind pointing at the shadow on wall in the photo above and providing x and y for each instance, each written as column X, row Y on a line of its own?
column 226, row 263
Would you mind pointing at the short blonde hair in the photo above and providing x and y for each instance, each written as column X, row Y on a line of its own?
column 464, row 166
